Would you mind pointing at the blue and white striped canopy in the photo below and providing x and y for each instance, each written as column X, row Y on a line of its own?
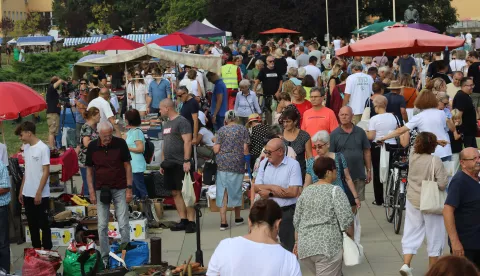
column 74, row 41
column 142, row 38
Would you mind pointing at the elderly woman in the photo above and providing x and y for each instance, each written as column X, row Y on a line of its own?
column 230, row 147
column 430, row 119
column 422, row 166
column 299, row 101
column 322, row 211
column 380, row 125
column 292, row 82
column 249, row 254
column 246, row 102
column 238, row 60
column 252, row 74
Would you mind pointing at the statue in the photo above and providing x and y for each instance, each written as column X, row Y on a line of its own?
column 411, row 15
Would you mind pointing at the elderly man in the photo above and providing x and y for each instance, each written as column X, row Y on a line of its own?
column 176, row 153
column 454, row 86
column 272, row 82
column 462, row 208
column 280, row 178
column 102, row 102
column 108, row 158
column 357, row 90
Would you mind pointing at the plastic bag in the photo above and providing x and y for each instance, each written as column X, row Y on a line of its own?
column 72, row 264
column 41, row 262
column 352, row 251
column 384, row 159
column 187, row 191
column 136, row 256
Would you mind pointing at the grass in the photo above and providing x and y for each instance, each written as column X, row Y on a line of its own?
column 13, row 143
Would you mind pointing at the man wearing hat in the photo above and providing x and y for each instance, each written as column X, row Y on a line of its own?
column 396, row 102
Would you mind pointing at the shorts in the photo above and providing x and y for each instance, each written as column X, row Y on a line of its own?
column 173, row 177
column 360, row 187
column 53, row 122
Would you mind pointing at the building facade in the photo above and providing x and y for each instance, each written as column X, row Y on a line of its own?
column 18, row 9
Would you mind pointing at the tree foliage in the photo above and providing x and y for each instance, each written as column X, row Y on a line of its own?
column 438, row 13
column 6, row 26
column 250, row 17
column 72, row 16
column 101, row 12
column 134, row 15
column 176, row 15
column 30, row 24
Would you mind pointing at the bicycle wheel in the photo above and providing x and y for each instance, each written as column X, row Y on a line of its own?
column 389, row 199
column 399, row 206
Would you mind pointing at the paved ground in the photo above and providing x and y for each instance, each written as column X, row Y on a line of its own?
column 382, row 246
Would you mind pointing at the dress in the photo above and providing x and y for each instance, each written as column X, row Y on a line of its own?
column 86, row 131
column 139, row 91
column 298, row 146
column 257, row 139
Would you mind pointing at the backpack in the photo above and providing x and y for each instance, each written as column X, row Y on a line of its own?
column 149, row 149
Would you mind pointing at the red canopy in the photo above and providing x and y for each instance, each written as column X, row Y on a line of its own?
column 178, row 38
column 113, row 43
column 400, row 40
column 18, row 99
column 279, row 31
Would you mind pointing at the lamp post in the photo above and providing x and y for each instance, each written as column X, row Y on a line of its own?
column 328, row 29
column 358, row 20
column 394, row 16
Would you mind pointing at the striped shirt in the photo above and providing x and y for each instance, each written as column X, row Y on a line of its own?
column 4, row 184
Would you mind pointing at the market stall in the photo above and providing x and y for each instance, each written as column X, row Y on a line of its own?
column 35, row 41
column 75, row 41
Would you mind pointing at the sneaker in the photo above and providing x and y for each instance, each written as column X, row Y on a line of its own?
column 191, row 227
column 405, row 270
column 179, row 227
column 223, row 227
column 239, row 221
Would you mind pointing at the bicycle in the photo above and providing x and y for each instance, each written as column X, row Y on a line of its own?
column 395, row 192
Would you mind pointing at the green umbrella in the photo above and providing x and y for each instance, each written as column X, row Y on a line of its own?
column 374, row 28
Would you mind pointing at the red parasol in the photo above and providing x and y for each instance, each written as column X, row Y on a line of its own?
column 178, row 38
column 400, row 40
column 280, row 31
column 113, row 43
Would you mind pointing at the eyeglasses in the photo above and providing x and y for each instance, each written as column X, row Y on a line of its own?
column 470, row 159
column 319, row 146
column 267, row 152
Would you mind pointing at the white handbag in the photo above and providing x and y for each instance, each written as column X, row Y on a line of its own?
column 432, row 199
column 366, row 113
column 384, row 162
column 352, row 251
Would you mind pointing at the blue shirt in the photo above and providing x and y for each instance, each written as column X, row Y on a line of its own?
column 4, row 184
column 287, row 174
column 220, row 88
column 246, row 105
column 158, row 92
column 78, row 116
column 139, row 165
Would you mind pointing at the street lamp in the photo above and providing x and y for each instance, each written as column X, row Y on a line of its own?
column 328, row 29
column 358, row 20
column 394, row 16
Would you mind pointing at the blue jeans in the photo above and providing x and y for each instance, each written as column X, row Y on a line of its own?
column 83, row 173
column 139, row 188
column 219, row 122
column 119, row 198
column 4, row 240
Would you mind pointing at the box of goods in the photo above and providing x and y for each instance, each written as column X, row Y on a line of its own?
column 138, row 230
column 80, row 210
column 90, row 222
column 92, row 210
column 60, row 236
column 214, row 208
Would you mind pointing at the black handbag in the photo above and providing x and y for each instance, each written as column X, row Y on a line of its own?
column 209, row 173
column 105, row 195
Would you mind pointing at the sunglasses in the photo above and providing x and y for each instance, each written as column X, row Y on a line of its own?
column 319, row 146
column 268, row 152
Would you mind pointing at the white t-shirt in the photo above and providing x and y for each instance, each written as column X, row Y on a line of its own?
column 457, row 65
column 3, row 154
column 240, row 256
column 35, row 157
column 313, row 71
column 352, row 41
column 194, row 88
column 383, row 124
column 359, row 86
column 435, row 121
column 337, row 44
column 207, row 137
column 103, row 106
column 468, row 38
column 291, row 63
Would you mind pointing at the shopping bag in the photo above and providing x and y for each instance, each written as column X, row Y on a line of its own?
column 449, row 167
column 85, row 263
column 366, row 113
column 357, row 228
column 432, row 199
column 187, row 191
column 41, row 262
column 384, row 159
column 137, row 254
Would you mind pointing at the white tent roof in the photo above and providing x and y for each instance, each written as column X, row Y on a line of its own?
column 206, row 22
column 210, row 63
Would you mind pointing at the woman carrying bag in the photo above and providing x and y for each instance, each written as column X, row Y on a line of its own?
column 423, row 166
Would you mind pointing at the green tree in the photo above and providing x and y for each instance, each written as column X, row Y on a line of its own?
column 101, row 12
column 72, row 16
column 44, row 23
column 7, row 26
column 176, row 15
column 30, row 24
column 130, row 16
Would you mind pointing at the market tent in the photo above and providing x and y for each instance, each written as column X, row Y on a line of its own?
column 374, row 28
column 74, row 41
column 12, row 41
column 424, row 27
column 210, row 63
column 112, row 43
column 141, row 38
column 279, row 31
column 206, row 22
column 35, row 41
column 199, row 29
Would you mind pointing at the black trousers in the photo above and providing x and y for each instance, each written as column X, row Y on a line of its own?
column 286, row 230
column 4, row 240
column 473, row 256
column 377, row 185
column 470, row 141
column 37, row 218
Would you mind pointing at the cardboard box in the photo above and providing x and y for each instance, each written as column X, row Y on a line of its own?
column 138, row 230
column 60, row 236
column 92, row 210
column 213, row 205
column 80, row 210
column 158, row 208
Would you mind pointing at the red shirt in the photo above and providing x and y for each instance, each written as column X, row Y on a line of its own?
column 306, row 105
column 337, row 98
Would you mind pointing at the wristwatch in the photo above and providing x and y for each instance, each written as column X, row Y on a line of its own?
column 186, row 160
column 129, row 187
column 270, row 194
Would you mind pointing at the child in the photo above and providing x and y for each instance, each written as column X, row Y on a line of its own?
column 456, row 139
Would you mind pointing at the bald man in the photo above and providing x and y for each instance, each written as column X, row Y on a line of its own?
column 176, row 156
column 462, row 208
column 280, row 178
column 102, row 102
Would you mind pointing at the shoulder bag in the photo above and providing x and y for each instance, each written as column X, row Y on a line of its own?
column 352, row 251
column 432, row 199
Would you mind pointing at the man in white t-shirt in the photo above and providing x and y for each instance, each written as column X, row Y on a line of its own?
column 34, row 193
column 352, row 40
column 313, row 70
column 468, row 38
column 357, row 90
column 313, row 51
column 337, row 43
column 103, row 104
